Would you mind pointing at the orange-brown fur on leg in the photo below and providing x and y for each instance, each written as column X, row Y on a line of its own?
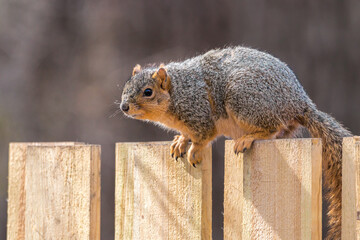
column 288, row 130
column 293, row 130
column 195, row 153
column 249, row 135
column 245, row 142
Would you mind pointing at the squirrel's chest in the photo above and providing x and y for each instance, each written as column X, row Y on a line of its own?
column 173, row 123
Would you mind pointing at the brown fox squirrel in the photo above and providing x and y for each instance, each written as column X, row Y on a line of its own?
column 237, row 92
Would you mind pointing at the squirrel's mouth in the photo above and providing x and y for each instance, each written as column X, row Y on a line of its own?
column 135, row 115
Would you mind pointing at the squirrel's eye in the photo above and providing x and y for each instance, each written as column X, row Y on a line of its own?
column 147, row 92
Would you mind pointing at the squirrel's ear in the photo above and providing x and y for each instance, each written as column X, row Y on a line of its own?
column 162, row 78
column 136, row 69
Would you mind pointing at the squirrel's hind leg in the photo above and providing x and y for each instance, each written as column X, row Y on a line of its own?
column 245, row 142
column 293, row 130
column 250, row 133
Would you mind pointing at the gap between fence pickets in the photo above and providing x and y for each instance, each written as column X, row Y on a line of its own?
column 273, row 191
column 34, row 173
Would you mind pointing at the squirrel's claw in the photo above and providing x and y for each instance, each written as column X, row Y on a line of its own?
column 242, row 144
column 178, row 146
column 194, row 155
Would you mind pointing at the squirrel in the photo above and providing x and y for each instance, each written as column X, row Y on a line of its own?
column 241, row 93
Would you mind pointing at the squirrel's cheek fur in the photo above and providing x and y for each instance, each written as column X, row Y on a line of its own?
column 153, row 109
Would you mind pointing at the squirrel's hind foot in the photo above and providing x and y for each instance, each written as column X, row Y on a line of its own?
column 245, row 142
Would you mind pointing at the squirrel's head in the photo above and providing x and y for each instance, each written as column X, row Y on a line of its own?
column 146, row 93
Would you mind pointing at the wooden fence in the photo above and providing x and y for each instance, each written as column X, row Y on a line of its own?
column 272, row 191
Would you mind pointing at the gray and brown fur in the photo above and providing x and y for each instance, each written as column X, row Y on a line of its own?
column 241, row 93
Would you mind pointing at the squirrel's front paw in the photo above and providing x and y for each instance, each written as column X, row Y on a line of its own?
column 194, row 155
column 178, row 146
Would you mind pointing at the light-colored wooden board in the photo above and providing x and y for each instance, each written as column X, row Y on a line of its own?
column 16, row 186
column 54, row 191
column 351, row 189
column 159, row 198
column 273, row 191
column 233, row 193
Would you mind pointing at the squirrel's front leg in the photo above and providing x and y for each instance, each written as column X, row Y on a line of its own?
column 195, row 153
column 178, row 149
column 178, row 146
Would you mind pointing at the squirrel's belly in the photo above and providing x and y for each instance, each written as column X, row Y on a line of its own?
column 229, row 128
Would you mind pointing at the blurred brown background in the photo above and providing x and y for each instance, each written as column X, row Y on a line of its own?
column 61, row 63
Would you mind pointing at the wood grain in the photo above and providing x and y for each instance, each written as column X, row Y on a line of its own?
column 351, row 189
column 273, row 191
column 159, row 198
column 54, row 191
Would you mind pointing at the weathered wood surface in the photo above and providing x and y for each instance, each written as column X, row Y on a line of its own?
column 273, row 191
column 351, row 189
column 54, row 191
column 159, row 198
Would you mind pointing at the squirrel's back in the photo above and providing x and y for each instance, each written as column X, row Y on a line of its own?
column 246, row 79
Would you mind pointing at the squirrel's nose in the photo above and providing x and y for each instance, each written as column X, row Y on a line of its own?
column 124, row 107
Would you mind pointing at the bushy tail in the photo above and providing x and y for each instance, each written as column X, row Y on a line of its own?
column 322, row 125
